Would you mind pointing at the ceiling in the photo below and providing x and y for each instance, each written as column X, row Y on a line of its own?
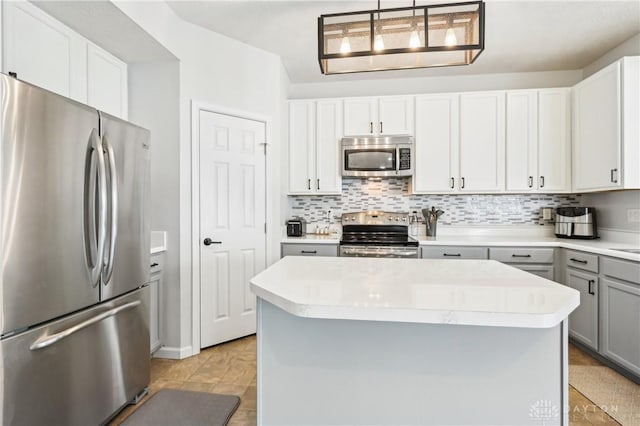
column 521, row 36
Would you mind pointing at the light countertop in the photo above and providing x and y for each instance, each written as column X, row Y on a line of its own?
column 475, row 292
column 603, row 246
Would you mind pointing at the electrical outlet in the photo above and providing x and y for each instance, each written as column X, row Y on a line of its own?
column 633, row 215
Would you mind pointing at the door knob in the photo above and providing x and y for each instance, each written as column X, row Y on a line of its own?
column 208, row 242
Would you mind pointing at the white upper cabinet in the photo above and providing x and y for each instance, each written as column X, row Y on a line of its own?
column 554, row 140
column 314, row 142
column 395, row 115
column 301, row 146
column 328, row 135
column 46, row 53
column 360, row 114
column 606, row 129
column 538, row 141
column 391, row 115
column 106, row 82
column 42, row 51
column 482, row 139
column 436, row 144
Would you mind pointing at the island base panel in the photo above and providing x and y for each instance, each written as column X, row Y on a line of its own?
column 323, row 371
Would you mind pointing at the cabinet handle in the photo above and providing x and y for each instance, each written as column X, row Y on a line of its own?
column 591, row 283
column 451, row 255
column 309, row 184
column 461, row 183
column 584, row 262
column 530, row 181
column 371, row 127
column 318, row 184
column 381, row 127
column 520, row 255
column 309, row 251
column 453, row 183
column 154, row 264
column 541, row 181
column 614, row 180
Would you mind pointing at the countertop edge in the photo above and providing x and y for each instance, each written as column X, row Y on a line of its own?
column 419, row 316
column 505, row 242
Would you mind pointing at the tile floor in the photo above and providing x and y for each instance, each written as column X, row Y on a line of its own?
column 231, row 368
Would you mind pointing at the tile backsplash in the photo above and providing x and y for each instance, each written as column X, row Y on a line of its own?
column 391, row 194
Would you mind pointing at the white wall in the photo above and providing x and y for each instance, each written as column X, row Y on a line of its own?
column 154, row 99
column 216, row 70
column 464, row 83
column 611, row 208
column 631, row 47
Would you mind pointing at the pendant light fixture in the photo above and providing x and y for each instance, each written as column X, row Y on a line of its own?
column 401, row 38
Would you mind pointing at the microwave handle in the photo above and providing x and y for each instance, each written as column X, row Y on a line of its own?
column 397, row 160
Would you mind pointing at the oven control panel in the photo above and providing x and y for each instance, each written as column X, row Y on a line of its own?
column 375, row 217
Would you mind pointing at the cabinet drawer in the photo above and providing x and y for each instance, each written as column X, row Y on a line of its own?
column 581, row 260
column 454, row 252
column 309, row 250
column 521, row 255
column 157, row 263
column 621, row 269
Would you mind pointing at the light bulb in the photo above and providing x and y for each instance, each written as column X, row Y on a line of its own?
column 450, row 38
column 345, row 46
column 378, row 44
column 414, row 41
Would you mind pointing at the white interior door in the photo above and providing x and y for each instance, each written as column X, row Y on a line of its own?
column 232, row 224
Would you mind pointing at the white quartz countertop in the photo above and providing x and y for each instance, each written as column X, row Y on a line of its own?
column 313, row 239
column 599, row 246
column 468, row 292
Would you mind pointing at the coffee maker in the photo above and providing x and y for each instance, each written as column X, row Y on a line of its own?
column 576, row 222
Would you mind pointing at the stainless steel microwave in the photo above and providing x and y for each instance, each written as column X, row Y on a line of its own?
column 364, row 156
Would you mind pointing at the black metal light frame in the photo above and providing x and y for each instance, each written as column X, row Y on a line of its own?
column 371, row 52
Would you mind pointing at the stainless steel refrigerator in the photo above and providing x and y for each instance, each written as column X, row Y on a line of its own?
column 74, row 259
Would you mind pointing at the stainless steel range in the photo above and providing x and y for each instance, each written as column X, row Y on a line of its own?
column 377, row 234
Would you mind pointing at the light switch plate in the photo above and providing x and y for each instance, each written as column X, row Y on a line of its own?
column 633, row 215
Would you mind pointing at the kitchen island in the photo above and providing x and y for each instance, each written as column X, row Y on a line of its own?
column 406, row 341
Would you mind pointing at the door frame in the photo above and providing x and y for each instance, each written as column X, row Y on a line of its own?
column 196, row 108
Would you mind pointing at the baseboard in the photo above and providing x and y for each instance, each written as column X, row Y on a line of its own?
column 173, row 352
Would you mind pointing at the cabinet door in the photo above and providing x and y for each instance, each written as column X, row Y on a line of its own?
column 154, row 312
column 301, row 146
column 620, row 309
column 522, row 140
column 329, row 128
column 395, row 116
column 106, row 82
column 544, row 271
column 596, row 132
column 42, row 51
column 360, row 116
column 436, row 144
column 583, row 322
column 482, row 142
column 554, row 142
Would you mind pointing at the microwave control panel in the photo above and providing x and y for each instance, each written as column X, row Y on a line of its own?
column 405, row 159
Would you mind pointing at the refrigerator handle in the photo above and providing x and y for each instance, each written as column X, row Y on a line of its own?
column 46, row 341
column 113, row 192
column 94, row 250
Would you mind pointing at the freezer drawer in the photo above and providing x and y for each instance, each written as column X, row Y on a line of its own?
column 78, row 370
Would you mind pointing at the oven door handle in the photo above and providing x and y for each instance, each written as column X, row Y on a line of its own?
column 409, row 253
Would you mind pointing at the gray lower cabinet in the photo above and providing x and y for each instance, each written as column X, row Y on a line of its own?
column 620, row 313
column 155, row 308
column 301, row 249
column 537, row 261
column 454, row 252
column 583, row 322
